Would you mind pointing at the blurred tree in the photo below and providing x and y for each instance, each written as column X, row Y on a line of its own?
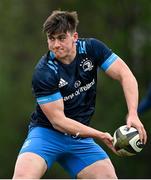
column 123, row 25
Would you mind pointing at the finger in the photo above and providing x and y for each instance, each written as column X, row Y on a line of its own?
column 113, row 149
column 140, row 131
column 128, row 125
column 144, row 136
column 110, row 145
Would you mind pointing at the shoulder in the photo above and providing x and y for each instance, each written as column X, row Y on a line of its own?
column 45, row 69
column 97, row 44
column 91, row 44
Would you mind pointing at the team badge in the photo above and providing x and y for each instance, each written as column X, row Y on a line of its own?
column 86, row 64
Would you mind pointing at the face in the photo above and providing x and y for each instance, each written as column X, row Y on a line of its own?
column 63, row 44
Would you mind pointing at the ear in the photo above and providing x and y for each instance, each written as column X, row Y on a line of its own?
column 75, row 36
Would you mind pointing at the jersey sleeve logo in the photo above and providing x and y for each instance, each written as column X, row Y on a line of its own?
column 86, row 64
column 62, row 83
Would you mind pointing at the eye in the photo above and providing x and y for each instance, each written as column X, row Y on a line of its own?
column 51, row 38
column 62, row 38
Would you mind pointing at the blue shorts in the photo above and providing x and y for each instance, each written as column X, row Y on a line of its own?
column 73, row 154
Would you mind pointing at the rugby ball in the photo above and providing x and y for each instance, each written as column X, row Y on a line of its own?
column 126, row 141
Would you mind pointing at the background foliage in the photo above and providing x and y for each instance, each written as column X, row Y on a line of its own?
column 123, row 25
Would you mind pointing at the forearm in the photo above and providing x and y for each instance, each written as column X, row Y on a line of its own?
column 70, row 126
column 121, row 72
column 130, row 88
column 54, row 111
column 55, row 114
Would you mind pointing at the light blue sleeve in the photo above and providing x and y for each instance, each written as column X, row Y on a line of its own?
column 49, row 98
column 109, row 61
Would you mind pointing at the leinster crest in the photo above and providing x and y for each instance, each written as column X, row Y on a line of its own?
column 86, row 64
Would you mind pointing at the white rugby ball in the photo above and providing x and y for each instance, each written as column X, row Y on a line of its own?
column 126, row 141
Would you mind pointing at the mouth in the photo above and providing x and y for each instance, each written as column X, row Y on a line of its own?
column 58, row 51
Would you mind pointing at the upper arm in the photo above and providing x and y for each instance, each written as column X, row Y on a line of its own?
column 109, row 62
column 118, row 69
column 54, row 111
column 47, row 94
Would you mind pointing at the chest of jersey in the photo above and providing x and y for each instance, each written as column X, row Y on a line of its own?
column 77, row 77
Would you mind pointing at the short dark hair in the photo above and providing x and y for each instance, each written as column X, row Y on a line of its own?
column 61, row 22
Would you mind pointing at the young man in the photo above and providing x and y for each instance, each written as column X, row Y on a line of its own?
column 64, row 84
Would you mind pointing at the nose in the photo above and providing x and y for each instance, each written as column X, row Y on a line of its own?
column 56, row 43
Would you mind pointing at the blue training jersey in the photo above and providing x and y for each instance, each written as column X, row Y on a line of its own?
column 74, row 82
